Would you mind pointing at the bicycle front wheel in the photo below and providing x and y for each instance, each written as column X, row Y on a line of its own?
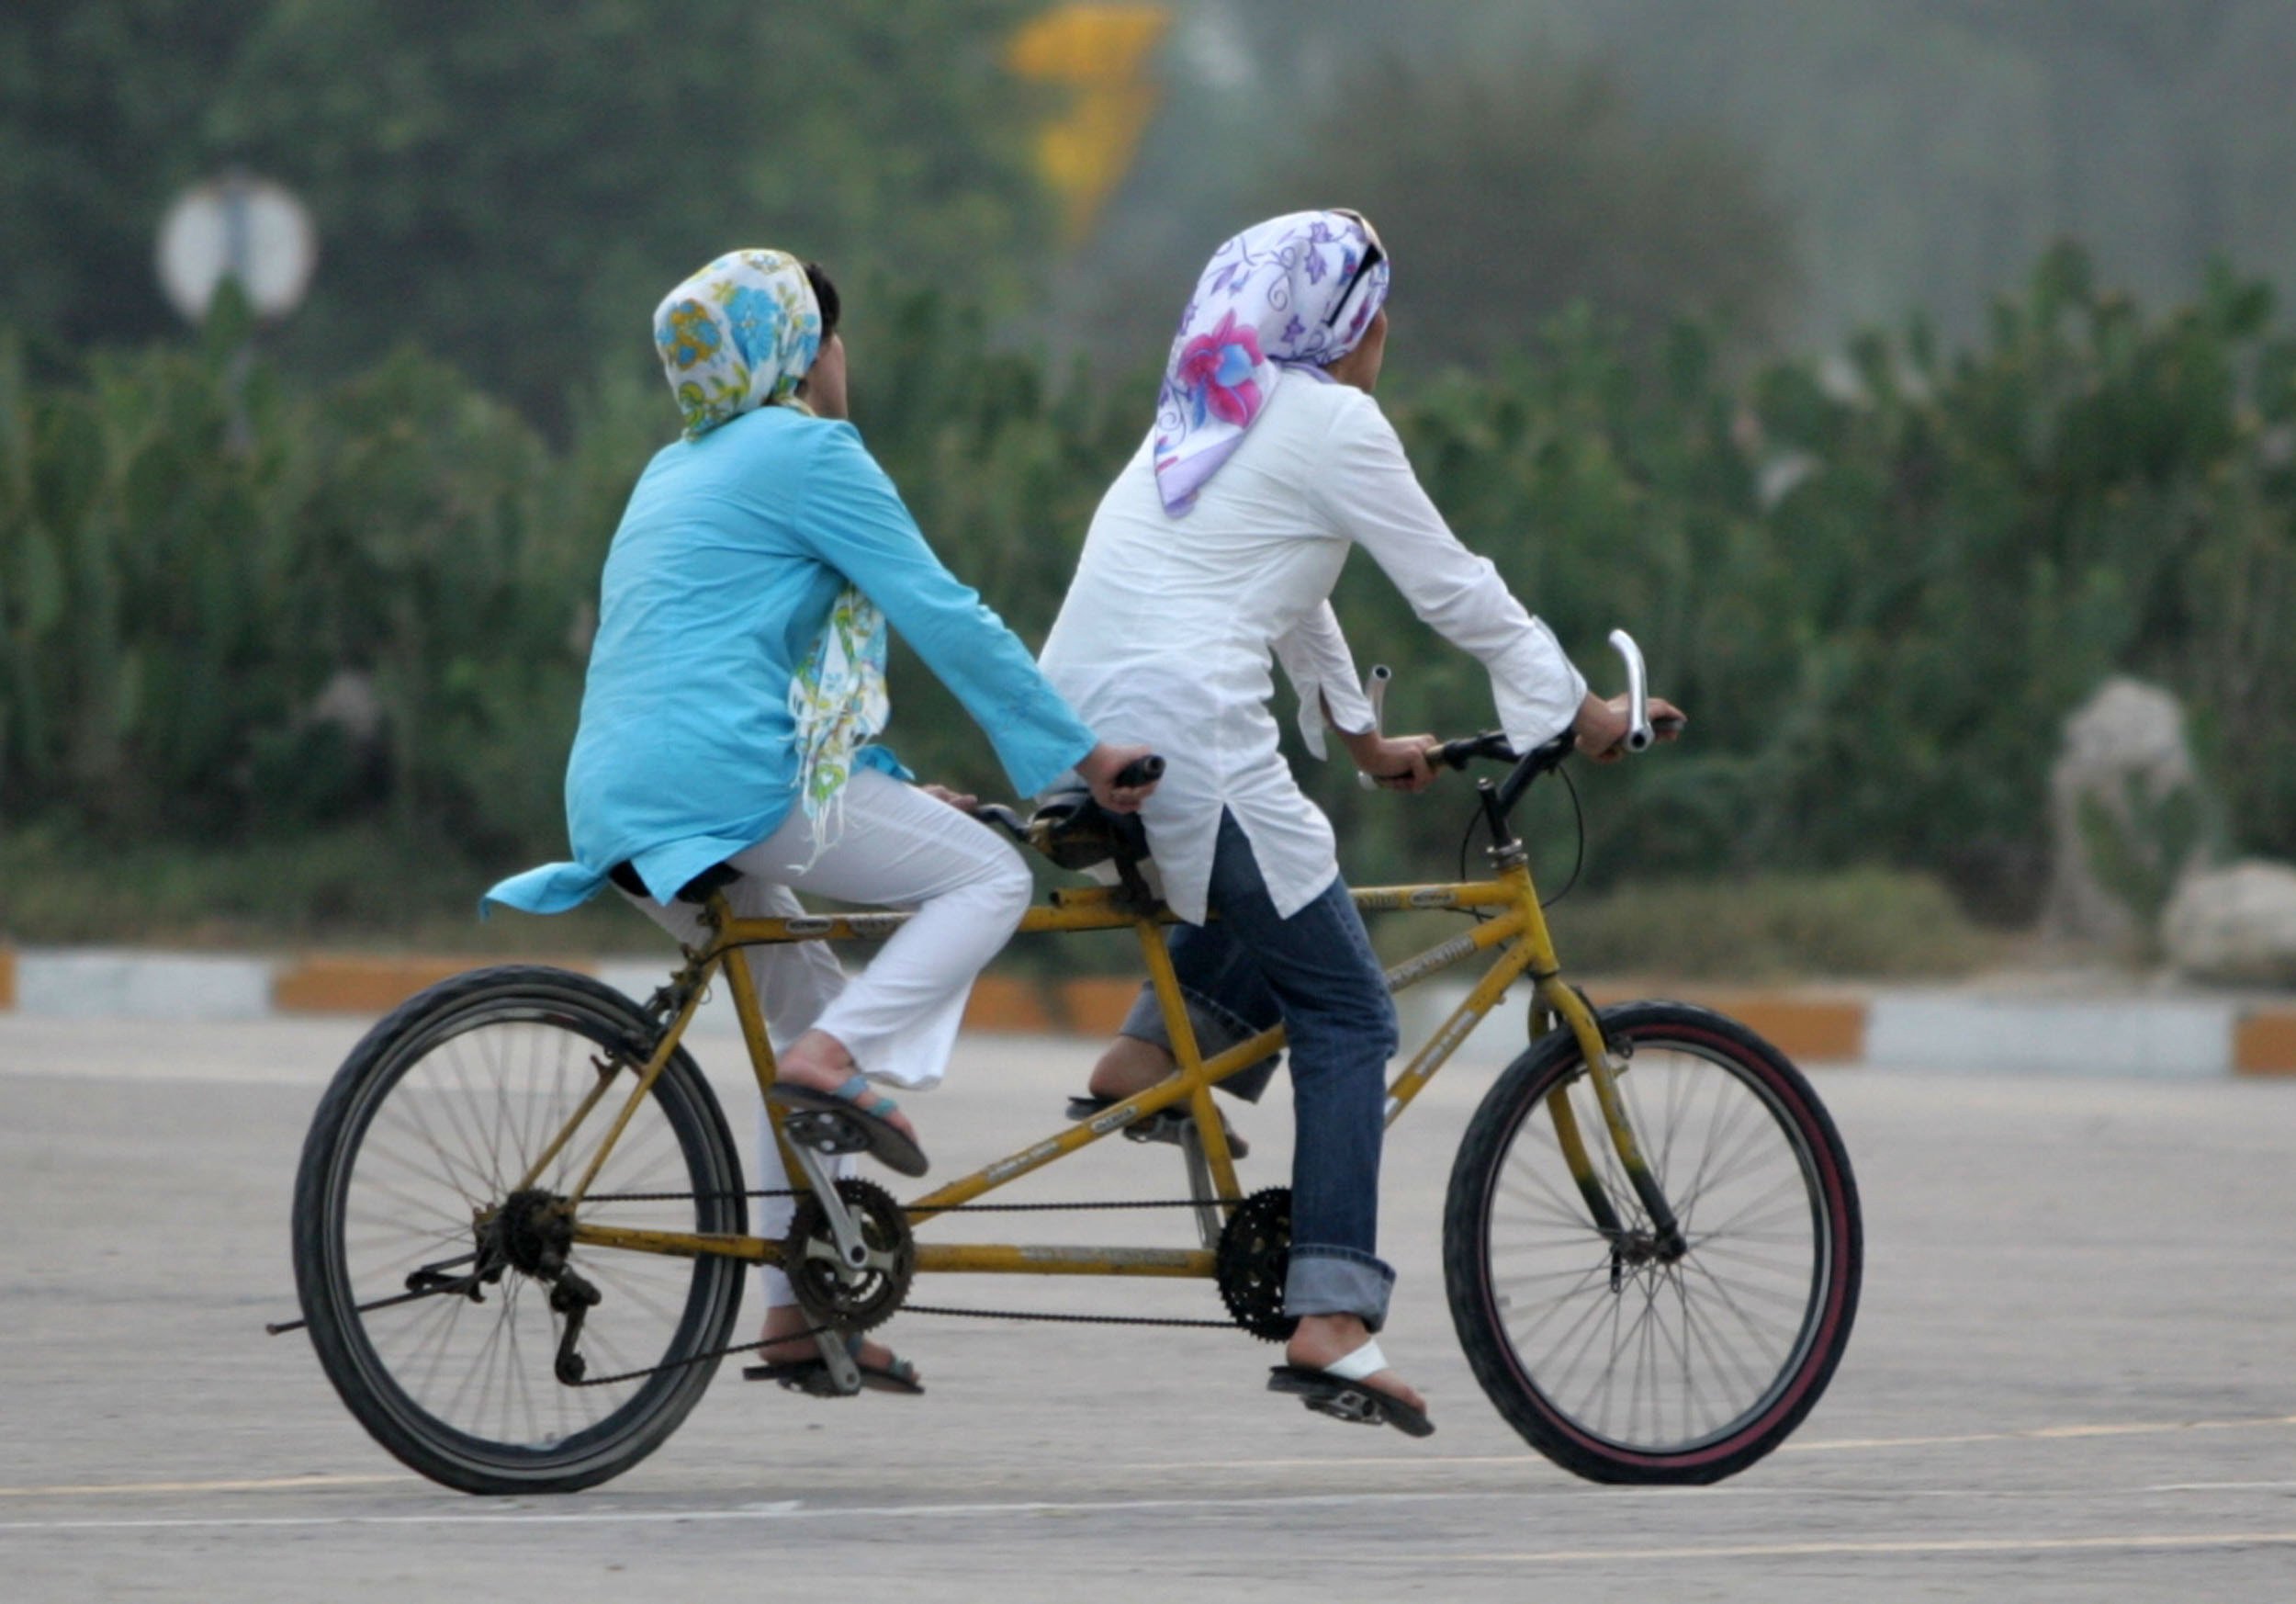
column 1619, row 1355
column 415, row 1179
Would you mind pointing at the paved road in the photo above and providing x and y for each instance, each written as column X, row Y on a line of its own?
column 2073, row 1378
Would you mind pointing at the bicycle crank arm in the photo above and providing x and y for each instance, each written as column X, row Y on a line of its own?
column 852, row 1252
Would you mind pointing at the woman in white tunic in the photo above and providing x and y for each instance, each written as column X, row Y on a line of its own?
column 1213, row 555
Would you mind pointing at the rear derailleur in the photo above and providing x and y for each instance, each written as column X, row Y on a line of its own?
column 530, row 1232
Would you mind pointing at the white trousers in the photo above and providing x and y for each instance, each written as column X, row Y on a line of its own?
column 899, row 847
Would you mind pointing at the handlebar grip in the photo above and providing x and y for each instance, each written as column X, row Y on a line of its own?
column 1144, row 771
column 1638, row 736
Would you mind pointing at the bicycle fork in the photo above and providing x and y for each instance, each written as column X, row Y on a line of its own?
column 1555, row 1003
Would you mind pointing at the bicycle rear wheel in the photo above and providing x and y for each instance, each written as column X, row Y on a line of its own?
column 408, row 1184
column 1620, row 1360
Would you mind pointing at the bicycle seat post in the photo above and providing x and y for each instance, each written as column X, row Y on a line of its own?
column 1209, row 1221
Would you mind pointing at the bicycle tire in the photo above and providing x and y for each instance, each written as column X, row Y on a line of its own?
column 434, row 1116
column 1784, row 1283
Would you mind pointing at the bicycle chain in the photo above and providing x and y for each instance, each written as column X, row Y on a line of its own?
column 602, row 1381
column 615, row 1197
column 1050, row 1317
column 1039, row 1316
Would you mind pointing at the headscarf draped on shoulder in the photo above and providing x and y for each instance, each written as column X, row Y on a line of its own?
column 1295, row 290
column 740, row 334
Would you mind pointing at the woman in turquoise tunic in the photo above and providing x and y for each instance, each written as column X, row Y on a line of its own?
column 737, row 683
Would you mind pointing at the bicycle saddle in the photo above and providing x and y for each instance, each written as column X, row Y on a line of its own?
column 696, row 890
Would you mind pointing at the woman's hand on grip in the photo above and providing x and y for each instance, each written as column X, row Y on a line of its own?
column 1099, row 770
column 1395, row 762
column 1602, row 725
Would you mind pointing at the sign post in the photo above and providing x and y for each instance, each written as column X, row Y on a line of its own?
column 247, row 230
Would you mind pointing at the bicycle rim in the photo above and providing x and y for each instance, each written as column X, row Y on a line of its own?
column 1632, row 1362
column 435, row 1129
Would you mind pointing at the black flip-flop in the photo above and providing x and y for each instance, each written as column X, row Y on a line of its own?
column 1340, row 1391
column 861, row 1110
column 811, row 1376
column 1163, row 1125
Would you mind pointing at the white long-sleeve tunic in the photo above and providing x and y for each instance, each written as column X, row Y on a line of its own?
column 1170, row 626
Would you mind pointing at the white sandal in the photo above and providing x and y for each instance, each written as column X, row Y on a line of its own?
column 1335, row 1390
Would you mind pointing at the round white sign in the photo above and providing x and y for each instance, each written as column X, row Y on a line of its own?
column 237, row 227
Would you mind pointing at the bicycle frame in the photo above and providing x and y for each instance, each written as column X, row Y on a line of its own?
column 1518, row 933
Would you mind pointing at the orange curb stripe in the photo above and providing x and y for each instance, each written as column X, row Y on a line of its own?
column 1826, row 1028
column 2264, row 1042
column 360, row 985
column 1006, row 1002
column 8, row 980
column 1096, row 1007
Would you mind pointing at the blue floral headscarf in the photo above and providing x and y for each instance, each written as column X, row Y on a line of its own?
column 740, row 334
column 1298, row 289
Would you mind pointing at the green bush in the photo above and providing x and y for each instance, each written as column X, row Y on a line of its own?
column 1864, row 922
column 235, row 616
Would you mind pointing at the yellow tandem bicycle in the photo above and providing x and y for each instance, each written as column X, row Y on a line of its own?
column 520, row 1224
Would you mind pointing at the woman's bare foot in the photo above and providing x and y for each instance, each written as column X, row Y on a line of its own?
column 784, row 1346
column 819, row 1060
column 1322, row 1340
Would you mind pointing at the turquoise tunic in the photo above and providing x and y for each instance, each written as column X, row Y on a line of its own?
column 721, row 576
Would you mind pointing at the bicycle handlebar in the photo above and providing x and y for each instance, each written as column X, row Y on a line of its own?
column 1492, row 745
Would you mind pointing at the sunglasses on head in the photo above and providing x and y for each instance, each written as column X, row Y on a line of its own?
column 1372, row 256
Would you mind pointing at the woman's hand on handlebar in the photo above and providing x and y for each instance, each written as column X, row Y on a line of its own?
column 1103, row 770
column 1602, row 725
column 1395, row 762
column 962, row 801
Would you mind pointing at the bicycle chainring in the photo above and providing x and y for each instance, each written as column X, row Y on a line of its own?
column 1255, row 1252
column 865, row 1299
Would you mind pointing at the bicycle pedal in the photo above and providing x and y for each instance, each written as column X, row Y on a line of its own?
column 1165, row 1125
column 809, row 1376
column 826, row 1131
column 1350, row 1405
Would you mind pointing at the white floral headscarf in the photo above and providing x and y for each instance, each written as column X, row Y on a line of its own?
column 1295, row 289
column 738, row 335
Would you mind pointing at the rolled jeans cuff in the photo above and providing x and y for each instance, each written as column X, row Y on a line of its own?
column 1217, row 1030
column 1338, row 1281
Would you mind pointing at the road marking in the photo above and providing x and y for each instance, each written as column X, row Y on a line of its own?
column 2041, row 1434
column 1823, row 1445
column 1395, row 1462
column 785, row 1510
column 265, row 1485
column 1616, row 1555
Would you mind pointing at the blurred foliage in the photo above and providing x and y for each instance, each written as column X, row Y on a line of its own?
column 1513, row 195
column 236, row 612
column 1777, row 926
column 510, row 189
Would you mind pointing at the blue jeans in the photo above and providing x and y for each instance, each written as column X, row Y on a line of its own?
column 1314, row 971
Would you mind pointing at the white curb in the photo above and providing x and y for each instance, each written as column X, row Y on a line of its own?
column 113, row 983
column 2160, row 1039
